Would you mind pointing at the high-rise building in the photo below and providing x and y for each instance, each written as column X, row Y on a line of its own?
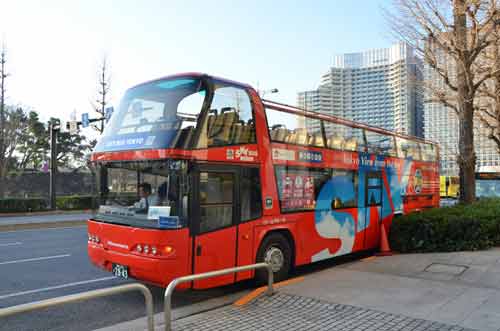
column 377, row 87
column 441, row 125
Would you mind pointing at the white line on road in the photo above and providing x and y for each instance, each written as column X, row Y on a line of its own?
column 36, row 259
column 11, row 244
column 44, row 289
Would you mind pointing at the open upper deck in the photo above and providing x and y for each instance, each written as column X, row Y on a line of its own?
column 190, row 112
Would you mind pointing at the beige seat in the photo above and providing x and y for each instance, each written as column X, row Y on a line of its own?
column 210, row 121
column 220, row 131
column 302, row 137
column 316, row 140
column 351, row 144
column 236, row 132
column 227, row 123
column 291, row 137
column 278, row 134
column 335, row 142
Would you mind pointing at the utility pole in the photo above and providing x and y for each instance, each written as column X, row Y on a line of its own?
column 3, row 75
column 54, row 127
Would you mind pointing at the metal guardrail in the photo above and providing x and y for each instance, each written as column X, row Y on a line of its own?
column 148, row 297
column 173, row 284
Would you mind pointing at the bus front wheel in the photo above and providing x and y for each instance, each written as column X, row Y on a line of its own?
column 274, row 249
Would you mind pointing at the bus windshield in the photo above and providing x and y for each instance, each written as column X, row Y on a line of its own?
column 159, row 114
column 138, row 193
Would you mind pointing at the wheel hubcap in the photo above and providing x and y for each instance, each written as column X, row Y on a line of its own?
column 274, row 256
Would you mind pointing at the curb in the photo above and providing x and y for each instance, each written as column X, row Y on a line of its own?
column 41, row 225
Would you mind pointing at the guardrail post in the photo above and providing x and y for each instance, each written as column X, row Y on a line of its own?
column 270, row 279
column 173, row 284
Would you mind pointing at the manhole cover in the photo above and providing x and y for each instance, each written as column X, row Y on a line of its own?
column 441, row 268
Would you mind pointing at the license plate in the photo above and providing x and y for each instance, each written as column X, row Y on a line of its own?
column 120, row 271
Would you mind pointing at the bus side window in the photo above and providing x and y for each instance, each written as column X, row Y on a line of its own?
column 344, row 188
column 250, row 194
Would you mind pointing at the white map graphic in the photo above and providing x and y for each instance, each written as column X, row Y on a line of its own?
column 330, row 227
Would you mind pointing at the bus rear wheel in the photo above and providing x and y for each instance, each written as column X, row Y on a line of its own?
column 275, row 250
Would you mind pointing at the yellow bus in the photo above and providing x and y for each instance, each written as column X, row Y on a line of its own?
column 449, row 186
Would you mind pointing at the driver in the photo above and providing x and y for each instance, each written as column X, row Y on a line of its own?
column 147, row 199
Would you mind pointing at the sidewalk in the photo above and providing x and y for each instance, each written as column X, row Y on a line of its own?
column 45, row 220
column 449, row 291
column 455, row 288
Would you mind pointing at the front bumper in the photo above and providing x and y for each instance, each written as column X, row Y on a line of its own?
column 156, row 271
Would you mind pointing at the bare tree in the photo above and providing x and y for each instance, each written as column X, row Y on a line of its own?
column 3, row 147
column 103, row 90
column 451, row 36
column 488, row 107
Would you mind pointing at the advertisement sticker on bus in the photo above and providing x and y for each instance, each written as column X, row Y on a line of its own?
column 310, row 156
column 242, row 154
column 283, row 154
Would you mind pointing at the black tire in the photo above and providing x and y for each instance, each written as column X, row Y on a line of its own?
column 274, row 241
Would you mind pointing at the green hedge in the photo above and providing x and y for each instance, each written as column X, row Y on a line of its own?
column 456, row 228
column 75, row 202
column 13, row 205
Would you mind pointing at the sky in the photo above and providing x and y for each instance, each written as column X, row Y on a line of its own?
column 54, row 47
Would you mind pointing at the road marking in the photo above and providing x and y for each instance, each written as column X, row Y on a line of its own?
column 254, row 294
column 44, row 289
column 45, row 229
column 36, row 259
column 11, row 244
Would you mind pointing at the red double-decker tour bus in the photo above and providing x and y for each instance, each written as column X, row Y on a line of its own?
column 198, row 173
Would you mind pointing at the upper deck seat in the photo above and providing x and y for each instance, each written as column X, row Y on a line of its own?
column 278, row 133
column 302, row 137
column 316, row 140
column 237, row 131
column 212, row 116
column 335, row 141
column 220, row 131
column 291, row 137
column 250, row 131
column 229, row 119
column 351, row 144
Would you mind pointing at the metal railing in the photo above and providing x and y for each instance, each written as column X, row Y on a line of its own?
column 148, row 297
column 173, row 284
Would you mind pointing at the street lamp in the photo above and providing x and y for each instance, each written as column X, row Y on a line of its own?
column 263, row 92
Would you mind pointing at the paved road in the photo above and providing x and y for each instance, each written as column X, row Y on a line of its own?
column 41, row 264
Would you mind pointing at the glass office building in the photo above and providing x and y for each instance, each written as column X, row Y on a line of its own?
column 378, row 87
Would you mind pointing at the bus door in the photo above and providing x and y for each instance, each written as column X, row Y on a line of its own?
column 214, row 218
column 373, row 207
